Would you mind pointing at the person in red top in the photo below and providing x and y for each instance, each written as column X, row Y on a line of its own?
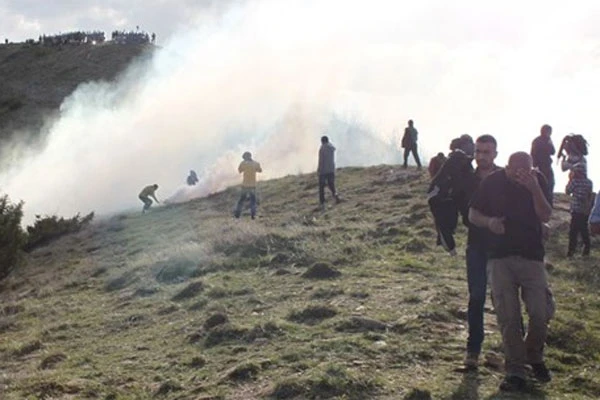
column 435, row 164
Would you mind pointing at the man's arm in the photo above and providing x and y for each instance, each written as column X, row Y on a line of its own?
column 320, row 163
column 494, row 224
column 258, row 168
column 154, row 197
column 542, row 206
column 240, row 167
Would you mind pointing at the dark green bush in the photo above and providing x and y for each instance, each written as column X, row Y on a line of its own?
column 48, row 228
column 12, row 236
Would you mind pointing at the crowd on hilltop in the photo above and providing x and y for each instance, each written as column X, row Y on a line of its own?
column 92, row 37
column 123, row 37
column 77, row 37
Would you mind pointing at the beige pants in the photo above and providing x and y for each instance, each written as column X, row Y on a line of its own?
column 510, row 277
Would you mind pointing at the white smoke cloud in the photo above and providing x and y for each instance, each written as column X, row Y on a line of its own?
column 273, row 76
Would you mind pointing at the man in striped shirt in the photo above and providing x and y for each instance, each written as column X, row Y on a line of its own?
column 580, row 189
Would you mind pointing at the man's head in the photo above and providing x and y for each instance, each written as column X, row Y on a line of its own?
column 546, row 130
column 519, row 161
column 324, row 139
column 485, row 151
column 247, row 156
column 410, row 123
column 155, row 186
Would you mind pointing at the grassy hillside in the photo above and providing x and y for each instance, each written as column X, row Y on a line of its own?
column 35, row 79
column 188, row 303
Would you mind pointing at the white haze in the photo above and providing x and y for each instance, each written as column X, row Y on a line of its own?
column 273, row 76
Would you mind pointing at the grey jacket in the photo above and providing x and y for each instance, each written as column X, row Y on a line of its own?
column 326, row 159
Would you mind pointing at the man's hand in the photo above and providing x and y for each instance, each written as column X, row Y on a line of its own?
column 527, row 179
column 496, row 225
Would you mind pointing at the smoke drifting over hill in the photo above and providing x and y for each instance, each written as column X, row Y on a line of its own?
column 271, row 77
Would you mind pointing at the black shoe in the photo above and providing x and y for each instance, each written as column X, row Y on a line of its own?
column 513, row 384
column 570, row 253
column 586, row 252
column 253, row 216
column 541, row 373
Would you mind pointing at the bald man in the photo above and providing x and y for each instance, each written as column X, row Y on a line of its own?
column 512, row 204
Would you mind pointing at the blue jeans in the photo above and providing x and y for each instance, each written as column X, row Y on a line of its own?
column 246, row 192
column 477, row 282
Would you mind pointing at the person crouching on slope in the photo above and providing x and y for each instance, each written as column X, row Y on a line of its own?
column 249, row 168
column 145, row 194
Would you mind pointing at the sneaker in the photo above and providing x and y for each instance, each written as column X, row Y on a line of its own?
column 513, row 384
column 541, row 373
column 471, row 360
column 586, row 252
column 337, row 199
column 570, row 254
column 322, row 207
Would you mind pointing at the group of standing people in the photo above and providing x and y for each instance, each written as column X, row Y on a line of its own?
column 572, row 156
column 506, row 211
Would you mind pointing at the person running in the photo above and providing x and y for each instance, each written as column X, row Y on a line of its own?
column 542, row 150
column 485, row 154
column 326, row 171
column 512, row 204
column 409, row 143
column 249, row 168
column 145, row 194
column 580, row 190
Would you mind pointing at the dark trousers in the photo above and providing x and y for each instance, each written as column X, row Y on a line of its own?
column 579, row 225
column 549, row 174
column 415, row 153
column 247, row 192
column 445, row 215
column 147, row 202
column 329, row 181
column 477, row 282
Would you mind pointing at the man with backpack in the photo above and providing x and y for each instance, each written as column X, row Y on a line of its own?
column 542, row 150
column 409, row 144
column 449, row 192
column 580, row 190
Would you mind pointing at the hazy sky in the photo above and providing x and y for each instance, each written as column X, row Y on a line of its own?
column 272, row 76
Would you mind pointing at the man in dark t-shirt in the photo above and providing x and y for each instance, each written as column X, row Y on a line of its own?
column 542, row 151
column 512, row 204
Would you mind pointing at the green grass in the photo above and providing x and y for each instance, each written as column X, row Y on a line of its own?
column 162, row 306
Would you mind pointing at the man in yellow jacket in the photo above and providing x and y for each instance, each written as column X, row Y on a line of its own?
column 249, row 168
column 145, row 194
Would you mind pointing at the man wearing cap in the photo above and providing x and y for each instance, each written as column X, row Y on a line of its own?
column 249, row 168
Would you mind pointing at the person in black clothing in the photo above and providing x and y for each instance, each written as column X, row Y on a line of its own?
column 542, row 151
column 409, row 143
column 449, row 192
column 512, row 204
